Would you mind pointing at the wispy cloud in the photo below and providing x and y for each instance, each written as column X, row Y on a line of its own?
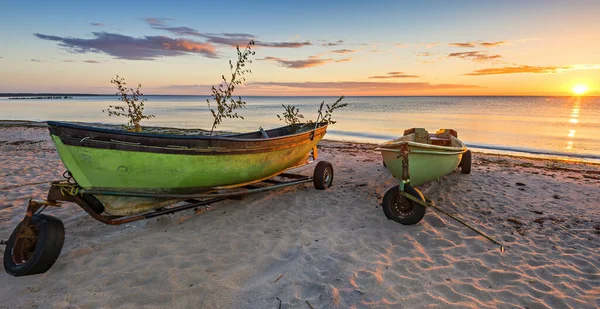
column 230, row 39
column 156, row 21
column 427, row 45
column 91, row 61
column 344, row 59
column 68, row 61
column 299, row 64
column 424, row 54
column 394, row 75
column 127, row 47
column 336, row 43
column 343, row 51
column 464, row 44
column 97, row 24
column 36, row 60
column 401, row 45
column 365, row 86
column 476, row 56
column 474, row 44
column 492, row 44
column 534, row 69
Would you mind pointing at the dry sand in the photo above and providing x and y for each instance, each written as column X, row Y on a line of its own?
column 302, row 248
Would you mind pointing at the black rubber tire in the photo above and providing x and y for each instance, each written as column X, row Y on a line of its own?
column 323, row 175
column 51, row 236
column 465, row 163
column 414, row 212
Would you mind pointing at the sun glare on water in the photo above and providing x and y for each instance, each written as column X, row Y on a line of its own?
column 580, row 89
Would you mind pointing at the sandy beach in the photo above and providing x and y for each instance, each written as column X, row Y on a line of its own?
column 303, row 248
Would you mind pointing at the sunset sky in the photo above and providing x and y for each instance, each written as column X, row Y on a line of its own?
column 304, row 47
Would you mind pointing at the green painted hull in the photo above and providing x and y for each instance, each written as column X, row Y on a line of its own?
column 95, row 165
column 423, row 166
column 426, row 162
column 130, row 170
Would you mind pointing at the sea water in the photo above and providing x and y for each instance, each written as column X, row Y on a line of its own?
column 562, row 127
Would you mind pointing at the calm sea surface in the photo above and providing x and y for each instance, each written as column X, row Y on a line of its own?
column 540, row 126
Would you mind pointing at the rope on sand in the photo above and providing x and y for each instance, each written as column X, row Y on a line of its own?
column 429, row 203
column 23, row 185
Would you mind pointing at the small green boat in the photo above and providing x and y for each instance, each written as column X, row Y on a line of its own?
column 109, row 160
column 417, row 158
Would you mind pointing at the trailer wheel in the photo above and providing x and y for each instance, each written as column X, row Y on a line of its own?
column 400, row 209
column 35, row 250
column 323, row 175
column 465, row 163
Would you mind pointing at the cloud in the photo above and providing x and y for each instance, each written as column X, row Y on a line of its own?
column 534, row 69
column 91, row 61
column 343, row 51
column 394, row 75
column 230, row 39
column 428, row 45
column 127, row 47
column 424, row 54
column 336, row 43
column 401, row 45
column 312, row 61
column 35, row 60
column 68, row 61
column 97, row 24
column 156, row 21
column 465, row 44
column 344, row 59
column 365, row 86
column 492, row 44
column 474, row 56
column 474, row 44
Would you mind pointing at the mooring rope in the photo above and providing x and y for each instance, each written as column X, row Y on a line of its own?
column 429, row 203
column 23, row 185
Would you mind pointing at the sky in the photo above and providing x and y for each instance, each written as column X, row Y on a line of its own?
column 381, row 48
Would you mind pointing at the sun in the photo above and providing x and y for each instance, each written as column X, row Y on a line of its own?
column 580, row 89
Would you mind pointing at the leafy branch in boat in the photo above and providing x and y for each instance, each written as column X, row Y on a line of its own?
column 291, row 115
column 135, row 106
column 223, row 94
column 330, row 109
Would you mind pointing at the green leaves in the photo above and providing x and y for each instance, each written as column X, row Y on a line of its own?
column 291, row 115
column 330, row 109
column 222, row 95
column 135, row 106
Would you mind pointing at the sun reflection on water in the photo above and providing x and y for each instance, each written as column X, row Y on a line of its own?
column 574, row 120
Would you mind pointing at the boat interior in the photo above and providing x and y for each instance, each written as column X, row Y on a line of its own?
column 277, row 132
column 443, row 137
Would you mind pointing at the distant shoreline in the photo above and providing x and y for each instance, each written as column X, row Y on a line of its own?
column 47, row 94
column 25, row 94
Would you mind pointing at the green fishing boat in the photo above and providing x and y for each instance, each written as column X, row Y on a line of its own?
column 106, row 160
column 118, row 177
column 415, row 159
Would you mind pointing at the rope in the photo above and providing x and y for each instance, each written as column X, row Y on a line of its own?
column 68, row 189
column 429, row 203
column 23, row 185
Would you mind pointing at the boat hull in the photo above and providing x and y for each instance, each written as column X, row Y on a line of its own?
column 424, row 164
column 419, row 157
column 117, row 161
column 98, row 161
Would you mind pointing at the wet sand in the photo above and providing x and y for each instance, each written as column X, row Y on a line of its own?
column 302, row 248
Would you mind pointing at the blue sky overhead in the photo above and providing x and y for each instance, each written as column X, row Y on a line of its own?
column 304, row 48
